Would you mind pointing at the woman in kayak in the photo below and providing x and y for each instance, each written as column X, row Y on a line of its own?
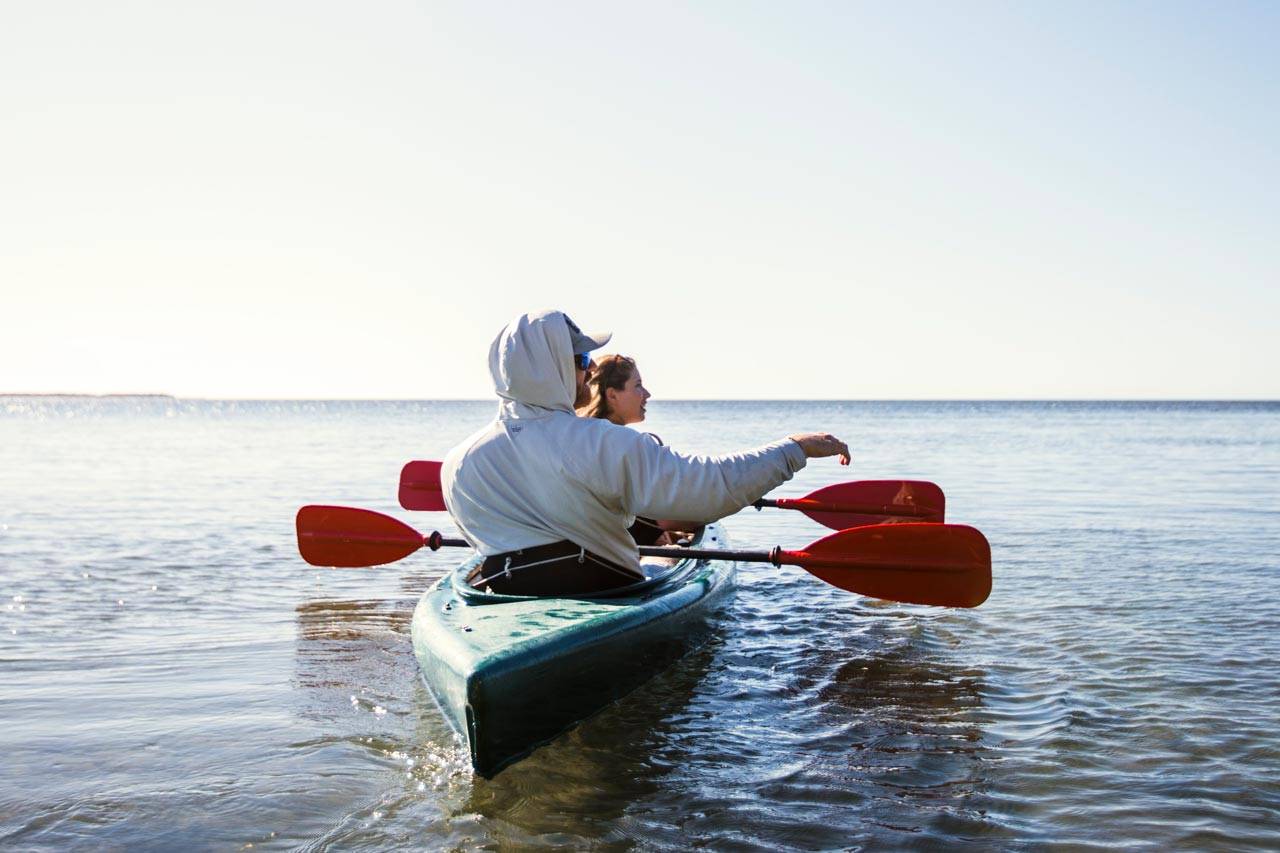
column 618, row 395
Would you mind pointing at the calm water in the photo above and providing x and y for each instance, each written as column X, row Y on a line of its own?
column 175, row 676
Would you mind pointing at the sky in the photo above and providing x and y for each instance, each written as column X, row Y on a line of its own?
column 1022, row 200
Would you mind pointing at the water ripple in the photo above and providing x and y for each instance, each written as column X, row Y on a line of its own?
column 174, row 676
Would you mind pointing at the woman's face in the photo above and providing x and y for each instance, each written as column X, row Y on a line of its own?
column 626, row 406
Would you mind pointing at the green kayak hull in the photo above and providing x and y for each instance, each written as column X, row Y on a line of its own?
column 513, row 672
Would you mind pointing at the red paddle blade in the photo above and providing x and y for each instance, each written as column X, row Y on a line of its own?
column 420, row 486
column 347, row 538
column 948, row 565
column 846, row 505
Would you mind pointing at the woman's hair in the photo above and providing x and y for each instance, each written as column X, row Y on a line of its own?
column 612, row 371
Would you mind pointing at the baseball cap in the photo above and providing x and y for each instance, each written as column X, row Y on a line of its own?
column 585, row 341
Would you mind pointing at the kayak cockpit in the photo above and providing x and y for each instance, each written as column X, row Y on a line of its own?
column 660, row 573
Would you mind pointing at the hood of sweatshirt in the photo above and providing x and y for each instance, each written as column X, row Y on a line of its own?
column 531, row 363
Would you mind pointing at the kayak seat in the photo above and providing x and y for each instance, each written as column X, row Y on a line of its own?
column 659, row 572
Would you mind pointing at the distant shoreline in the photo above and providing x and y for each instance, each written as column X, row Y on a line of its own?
column 779, row 400
column 147, row 396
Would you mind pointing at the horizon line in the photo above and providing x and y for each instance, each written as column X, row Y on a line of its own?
column 198, row 399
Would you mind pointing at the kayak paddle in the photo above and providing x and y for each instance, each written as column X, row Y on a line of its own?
column 868, row 502
column 420, row 486
column 948, row 565
column 349, row 538
column 839, row 506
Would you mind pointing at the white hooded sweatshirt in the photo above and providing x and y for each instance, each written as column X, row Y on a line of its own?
column 539, row 473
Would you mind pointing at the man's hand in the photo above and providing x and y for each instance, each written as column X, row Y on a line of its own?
column 818, row 444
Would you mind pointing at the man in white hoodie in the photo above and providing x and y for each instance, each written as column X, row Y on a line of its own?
column 547, row 497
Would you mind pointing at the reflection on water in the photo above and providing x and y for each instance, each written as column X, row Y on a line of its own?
column 912, row 732
column 354, row 670
column 328, row 619
column 586, row 780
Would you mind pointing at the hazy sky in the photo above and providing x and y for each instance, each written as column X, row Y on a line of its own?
column 804, row 200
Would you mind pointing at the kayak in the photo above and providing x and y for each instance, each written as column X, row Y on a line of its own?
column 513, row 672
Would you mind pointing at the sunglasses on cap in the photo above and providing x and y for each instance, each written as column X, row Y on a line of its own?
column 582, row 360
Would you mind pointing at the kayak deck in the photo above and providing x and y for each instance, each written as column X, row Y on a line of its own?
column 513, row 672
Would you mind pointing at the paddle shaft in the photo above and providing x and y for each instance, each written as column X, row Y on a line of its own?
column 432, row 540
column 778, row 557
column 803, row 504
column 710, row 554
column 435, row 541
